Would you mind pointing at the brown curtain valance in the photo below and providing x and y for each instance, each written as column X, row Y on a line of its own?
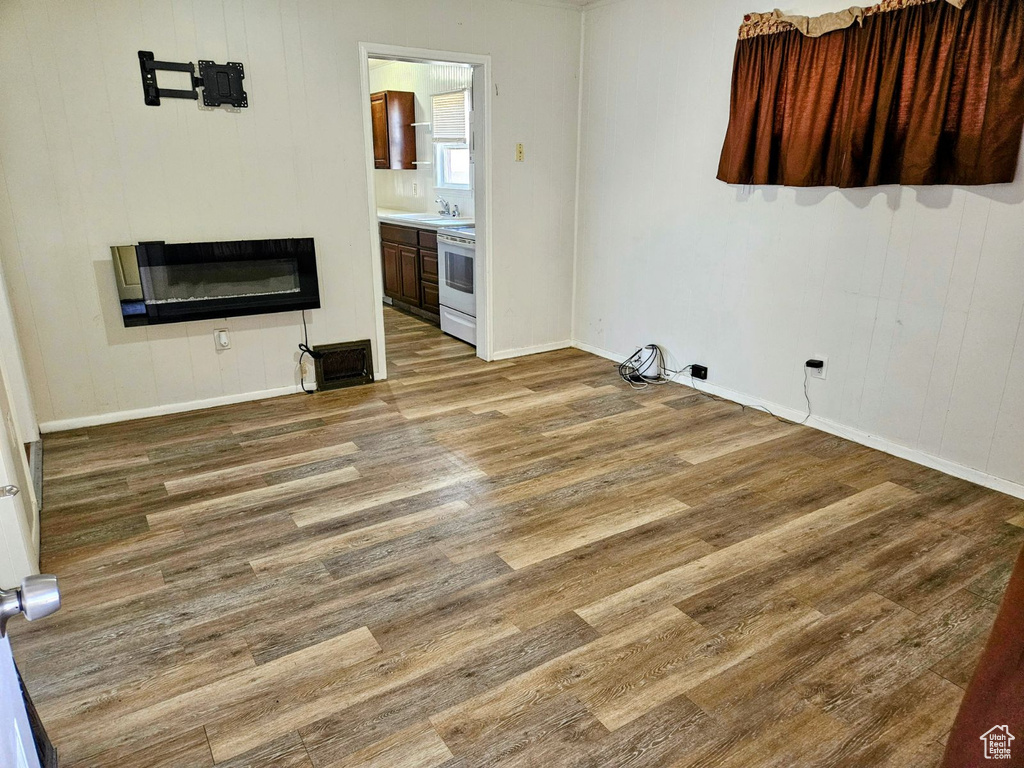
column 755, row 24
column 921, row 92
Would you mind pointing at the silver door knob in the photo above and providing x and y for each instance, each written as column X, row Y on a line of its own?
column 38, row 597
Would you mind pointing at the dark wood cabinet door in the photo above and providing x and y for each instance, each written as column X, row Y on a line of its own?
column 392, row 114
column 428, row 260
column 392, row 263
column 401, row 133
column 389, row 233
column 431, row 297
column 379, row 120
column 410, row 258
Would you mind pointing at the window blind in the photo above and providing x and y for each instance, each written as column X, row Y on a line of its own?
column 451, row 117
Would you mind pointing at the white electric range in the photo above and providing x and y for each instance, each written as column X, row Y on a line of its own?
column 456, row 264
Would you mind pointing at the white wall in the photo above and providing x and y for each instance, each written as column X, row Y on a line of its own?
column 915, row 294
column 87, row 165
column 395, row 189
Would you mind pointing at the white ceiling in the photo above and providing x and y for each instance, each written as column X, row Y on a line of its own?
column 566, row 3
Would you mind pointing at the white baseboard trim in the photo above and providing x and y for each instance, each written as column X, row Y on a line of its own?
column 850, row 433
column 60, row 425
column 508, row 354
column 600, row 352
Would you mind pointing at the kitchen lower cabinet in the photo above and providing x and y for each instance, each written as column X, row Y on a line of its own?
column 392, row 270
column 410, row 258
column 409, row 262
column 430, row 296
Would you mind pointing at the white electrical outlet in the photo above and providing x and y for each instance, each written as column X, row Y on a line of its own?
column 221, row 339
column 819, row 373
column 415, row 189
column 520, row 153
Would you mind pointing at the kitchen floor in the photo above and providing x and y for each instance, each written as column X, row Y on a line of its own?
column 523, row 563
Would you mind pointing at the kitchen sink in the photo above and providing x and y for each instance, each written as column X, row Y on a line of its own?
column 447, row 221
column 413, row 216
column 432, row 219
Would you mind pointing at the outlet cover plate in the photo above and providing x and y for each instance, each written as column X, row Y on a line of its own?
column 819, row 373
column 222, row 339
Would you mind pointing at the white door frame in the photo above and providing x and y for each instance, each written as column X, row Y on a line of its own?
column 19, row 529
column 17, row 746
column 482, row 193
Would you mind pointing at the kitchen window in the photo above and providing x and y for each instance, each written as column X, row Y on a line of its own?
column 451, row 113
column 453, row 167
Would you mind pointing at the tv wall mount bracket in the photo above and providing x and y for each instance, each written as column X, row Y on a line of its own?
column 221, row 83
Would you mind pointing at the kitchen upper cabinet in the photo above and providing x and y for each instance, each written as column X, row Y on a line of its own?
column 379, row 119
column 392, row 114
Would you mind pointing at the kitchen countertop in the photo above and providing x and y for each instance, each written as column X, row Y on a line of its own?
column 430, row 221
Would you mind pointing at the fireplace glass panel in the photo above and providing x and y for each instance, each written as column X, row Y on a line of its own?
column 223, row 280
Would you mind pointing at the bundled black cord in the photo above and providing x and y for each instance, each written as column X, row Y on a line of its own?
column 632, row 370
column 305, row 349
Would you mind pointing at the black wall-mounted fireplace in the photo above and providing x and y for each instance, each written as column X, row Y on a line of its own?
column 173, row 282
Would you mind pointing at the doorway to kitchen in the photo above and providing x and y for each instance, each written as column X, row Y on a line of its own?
column 426, row 124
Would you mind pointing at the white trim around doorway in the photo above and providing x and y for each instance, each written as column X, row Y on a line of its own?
column 482, row 202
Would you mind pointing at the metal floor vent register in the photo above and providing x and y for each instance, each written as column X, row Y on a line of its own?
column 343, row 365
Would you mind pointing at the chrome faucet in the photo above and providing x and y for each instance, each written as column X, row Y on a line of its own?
column 445, row 209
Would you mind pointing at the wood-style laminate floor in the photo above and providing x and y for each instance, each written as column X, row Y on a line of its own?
column 523, row 563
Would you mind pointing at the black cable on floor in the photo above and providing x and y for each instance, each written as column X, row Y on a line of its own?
column 632, row 371
column 305, row 349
